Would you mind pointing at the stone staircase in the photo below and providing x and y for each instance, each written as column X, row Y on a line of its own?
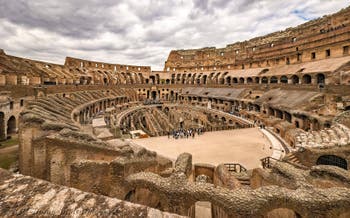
column 292, row 158
column 244, row 180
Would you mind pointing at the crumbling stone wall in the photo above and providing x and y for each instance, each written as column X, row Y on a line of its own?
column 23, row 196
column 300, row 196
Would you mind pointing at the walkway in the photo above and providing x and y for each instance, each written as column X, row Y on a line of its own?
column 277, row 147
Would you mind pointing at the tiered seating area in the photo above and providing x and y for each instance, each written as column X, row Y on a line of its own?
column 58, row 110
column 338, row 134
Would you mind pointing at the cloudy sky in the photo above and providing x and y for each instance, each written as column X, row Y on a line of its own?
column 143, row 32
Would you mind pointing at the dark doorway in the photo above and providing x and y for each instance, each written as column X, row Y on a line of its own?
column 11, row 125
column 332, row 160
column 154, row 95
column 295, row 79
column 321, row 78
column 284, row 79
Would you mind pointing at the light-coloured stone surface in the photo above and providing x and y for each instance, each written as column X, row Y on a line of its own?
column 245, row 146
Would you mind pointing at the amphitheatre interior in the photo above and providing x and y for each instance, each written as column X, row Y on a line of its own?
column 270, row 119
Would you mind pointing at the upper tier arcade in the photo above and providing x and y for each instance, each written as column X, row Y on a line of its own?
column 22, row 71
column 315, row 40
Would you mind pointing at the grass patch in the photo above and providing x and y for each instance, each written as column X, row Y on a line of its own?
column 6, row 160
column 10, row 142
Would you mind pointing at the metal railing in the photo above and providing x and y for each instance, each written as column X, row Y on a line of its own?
column 235, row 167
column 266, row 162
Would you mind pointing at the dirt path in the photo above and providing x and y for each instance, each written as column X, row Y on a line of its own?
column 9, row 149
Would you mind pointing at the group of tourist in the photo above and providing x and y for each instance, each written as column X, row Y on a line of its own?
column 260, row 124
column 185, row 133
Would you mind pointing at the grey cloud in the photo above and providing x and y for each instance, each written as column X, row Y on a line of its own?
column 72, row 18
column 142, row 31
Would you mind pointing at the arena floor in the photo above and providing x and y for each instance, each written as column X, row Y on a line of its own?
column 244, row 146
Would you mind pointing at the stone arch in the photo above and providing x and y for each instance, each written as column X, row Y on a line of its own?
column 288, row 117
column 154, row 95
column 198, row 80
column 222, row 78
column 249, row 80
column 157, row 79
column 264, row 80
column 105, row 81
column 306, row 79
column 173, row 78
column 211, row 75
column 223, row 120
column 166, row 110
column 217, row 78
column 167, row 81
column 183, row 78
column 234, row 80
column 284, row 79
column 273, row 79
column 193, row 78
column 320, row 78
column 241, row 80
column 297, row 125
column 228, row 80
column 257, row 80
column 152, row 79
column 11, row 125
column 332, row 160
column 172, row 95
column 295, row 79
column 204, row 79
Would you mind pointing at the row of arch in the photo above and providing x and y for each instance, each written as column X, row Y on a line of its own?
column 225, row 79
column 105, row 78
column 86, row 114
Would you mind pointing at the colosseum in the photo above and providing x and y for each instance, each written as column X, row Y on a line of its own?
column 259, row 128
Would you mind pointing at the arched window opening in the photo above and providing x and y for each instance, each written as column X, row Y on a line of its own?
column 11, row 126
column 273, row 79
column 284, row 79
column 295, row 79
column 257, row 79
column 306, row 79
column 249, row 80
column 320, row 78
column 264, row 80
column 228, row 80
